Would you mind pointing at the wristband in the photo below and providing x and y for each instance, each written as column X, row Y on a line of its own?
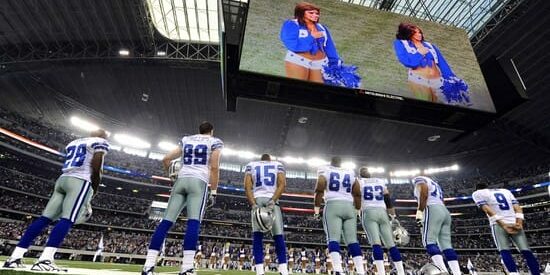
column 316, row 209
column 520, row 216
column 213, row 192
column 494, row 218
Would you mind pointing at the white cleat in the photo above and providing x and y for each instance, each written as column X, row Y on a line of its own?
column 47, row 265
column 148, row 271
column 13, row 263
column 190, row 271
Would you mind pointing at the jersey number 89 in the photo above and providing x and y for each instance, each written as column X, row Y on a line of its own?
column 195, row 154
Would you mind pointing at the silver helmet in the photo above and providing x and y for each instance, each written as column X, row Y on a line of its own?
column 264, row 218
column 85, row 214
column 174, row 169
column 400, row 234
column 431, row 269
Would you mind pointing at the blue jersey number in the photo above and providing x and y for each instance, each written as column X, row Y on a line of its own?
column 267, row 177
column 502, row 202
column 368, row 193
column 195, row 154
column 438, row 193
column 334, row 182
column 75, row 156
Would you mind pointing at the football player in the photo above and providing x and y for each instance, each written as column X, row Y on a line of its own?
column 264, row 183
column 70, row 201
column 200, row 155
column 342, row 196
column 506, row 220
column 435, row 220
column 376, row 204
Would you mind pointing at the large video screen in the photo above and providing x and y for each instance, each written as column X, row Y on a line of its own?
column 347, row 45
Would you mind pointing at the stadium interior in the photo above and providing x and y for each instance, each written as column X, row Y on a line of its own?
column 69, row 66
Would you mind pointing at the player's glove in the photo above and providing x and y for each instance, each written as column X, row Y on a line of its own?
column 419, row 218
column 392, row 217
column 316, row 214
column 212, row 198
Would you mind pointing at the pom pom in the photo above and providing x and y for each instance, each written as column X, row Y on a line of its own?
column 455, row 91
column 338, row 74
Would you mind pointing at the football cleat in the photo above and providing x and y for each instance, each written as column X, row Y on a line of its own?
column 148, row 270
column 47, row 265
column 190, row 271
column 15, row 263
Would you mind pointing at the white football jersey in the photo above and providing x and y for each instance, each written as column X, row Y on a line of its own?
column 435, row 193
column 501, row 201
column 339, row 182
column 264, row 177
column 196, row 152
column 78, row 161
column 372, row 193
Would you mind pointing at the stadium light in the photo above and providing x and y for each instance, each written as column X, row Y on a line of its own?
column 349, row 165
column 316, row 162
column 115, row 147
column 156, row 155
column 131, row 141
column 405, row 173
column 136, row 152
column 292, row 160
column 441, row 169
column 229, row 152
column 167, row 146
column 83, row 124
column 246, row 155
column 376, row 170
column 161, row 53
column 124, row 52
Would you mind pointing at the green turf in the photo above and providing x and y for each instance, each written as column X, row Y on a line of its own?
column 363, row 37
column 122, row 267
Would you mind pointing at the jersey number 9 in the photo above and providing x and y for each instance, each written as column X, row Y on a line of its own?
column 502, row 202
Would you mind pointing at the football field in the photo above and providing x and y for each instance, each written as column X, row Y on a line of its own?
column 89, row 268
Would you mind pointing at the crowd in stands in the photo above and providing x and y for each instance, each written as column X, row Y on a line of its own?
column 25, row 186
column 56, row 136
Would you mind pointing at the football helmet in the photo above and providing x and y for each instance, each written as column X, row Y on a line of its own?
column 431, row 269
column 86, row 214
column 400, row 234
column 264, row 218
column 174, row 169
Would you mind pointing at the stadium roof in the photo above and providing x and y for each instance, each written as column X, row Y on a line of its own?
column 59, row 57
column 470, row 15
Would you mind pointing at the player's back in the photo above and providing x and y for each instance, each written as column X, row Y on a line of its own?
column 79, row 155
column 372, row 193
column 339, row 183
column 264, row 176
column 499, row 200
column 196, row 152
column 435, row 193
